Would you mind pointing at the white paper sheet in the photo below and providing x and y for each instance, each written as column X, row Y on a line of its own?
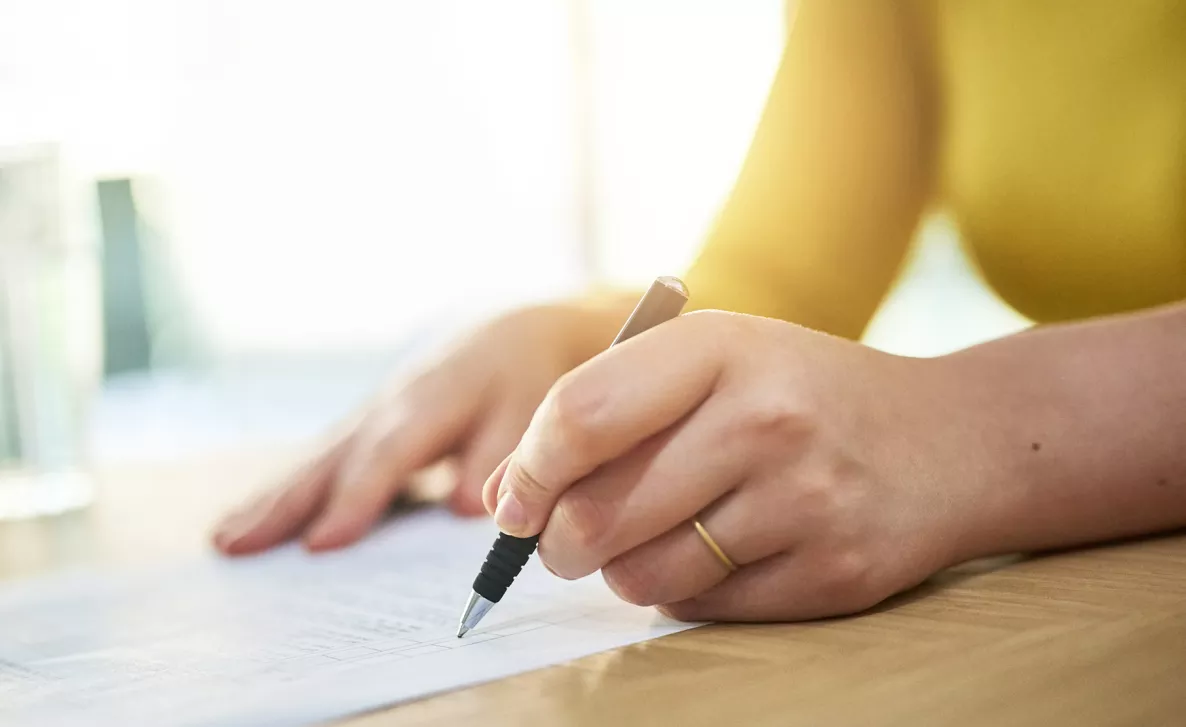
column 291, row 639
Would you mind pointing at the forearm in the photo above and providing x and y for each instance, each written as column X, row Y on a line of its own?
column 835, row 179
column 1084, row 428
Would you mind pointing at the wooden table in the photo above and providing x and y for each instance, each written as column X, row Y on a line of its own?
column 1094, row 637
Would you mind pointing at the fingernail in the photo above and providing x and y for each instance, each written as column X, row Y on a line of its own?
column 495, row 479
column 511, row 516
column 499, row 472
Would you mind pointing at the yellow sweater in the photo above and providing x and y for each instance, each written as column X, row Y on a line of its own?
column 1053, row 131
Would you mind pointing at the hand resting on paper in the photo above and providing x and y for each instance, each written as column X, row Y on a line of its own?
column 470, row 406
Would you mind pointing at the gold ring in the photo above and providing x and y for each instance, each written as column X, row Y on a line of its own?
column 712, row 545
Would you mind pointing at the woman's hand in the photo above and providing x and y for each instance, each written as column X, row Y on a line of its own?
column 470, row 406
column 830, row 473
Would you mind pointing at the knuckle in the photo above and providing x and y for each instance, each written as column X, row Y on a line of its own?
column 361, row 472
column 553, row 566
column 774, row 421
column 574, row 409
column 721, row 328
column 583, row 520
column 848, row 580
column 631, row 581
column 288, row 507
column 722, row 322
column 681, row 611
column 816, row 502
column 379, row 432
column 830, row 499
column 703, row 318
column 525, row 485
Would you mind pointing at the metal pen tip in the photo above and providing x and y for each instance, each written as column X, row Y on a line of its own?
column 475, row 609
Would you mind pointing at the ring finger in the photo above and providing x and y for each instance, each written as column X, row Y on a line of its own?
column 746, row 525
column 629, row 501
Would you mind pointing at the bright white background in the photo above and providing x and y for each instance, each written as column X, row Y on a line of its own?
column 331, row 175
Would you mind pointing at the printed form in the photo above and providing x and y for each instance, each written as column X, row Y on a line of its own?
column 286, row 638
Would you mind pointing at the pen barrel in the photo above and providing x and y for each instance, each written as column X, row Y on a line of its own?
column 663, row 301
column 503, row 563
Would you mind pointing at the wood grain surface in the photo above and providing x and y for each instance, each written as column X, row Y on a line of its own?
column 1087, row 637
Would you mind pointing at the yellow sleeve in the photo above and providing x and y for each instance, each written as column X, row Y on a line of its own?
column 834, row 181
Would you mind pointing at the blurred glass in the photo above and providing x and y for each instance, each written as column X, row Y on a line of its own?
column 280, row 227
column 47, row 370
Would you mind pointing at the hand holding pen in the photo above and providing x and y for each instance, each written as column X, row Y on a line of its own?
column 732, row 467
column 662, row 302
column 721, row 467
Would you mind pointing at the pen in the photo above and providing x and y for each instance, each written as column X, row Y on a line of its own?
column 663, row 301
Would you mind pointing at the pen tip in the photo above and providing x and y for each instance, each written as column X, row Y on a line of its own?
column 462, row 631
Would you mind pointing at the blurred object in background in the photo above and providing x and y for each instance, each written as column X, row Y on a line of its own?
column 147, row 322
column 127, row 344
column 48, row 371
column 940, row 302
column 293, row 196
column 288, row 186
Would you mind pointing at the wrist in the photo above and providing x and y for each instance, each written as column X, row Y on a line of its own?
column 1081, row 429
column 1027, row 410
column 989, row 430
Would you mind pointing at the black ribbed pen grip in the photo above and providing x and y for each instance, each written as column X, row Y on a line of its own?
column 504, row 561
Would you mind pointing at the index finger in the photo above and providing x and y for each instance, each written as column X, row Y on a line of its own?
column 419, row 425
column 605, row 408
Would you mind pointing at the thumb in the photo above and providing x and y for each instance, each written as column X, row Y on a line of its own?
column 422, row 423
column 523, row 503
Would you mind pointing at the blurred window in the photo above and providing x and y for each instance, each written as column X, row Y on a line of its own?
column 329, row 175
